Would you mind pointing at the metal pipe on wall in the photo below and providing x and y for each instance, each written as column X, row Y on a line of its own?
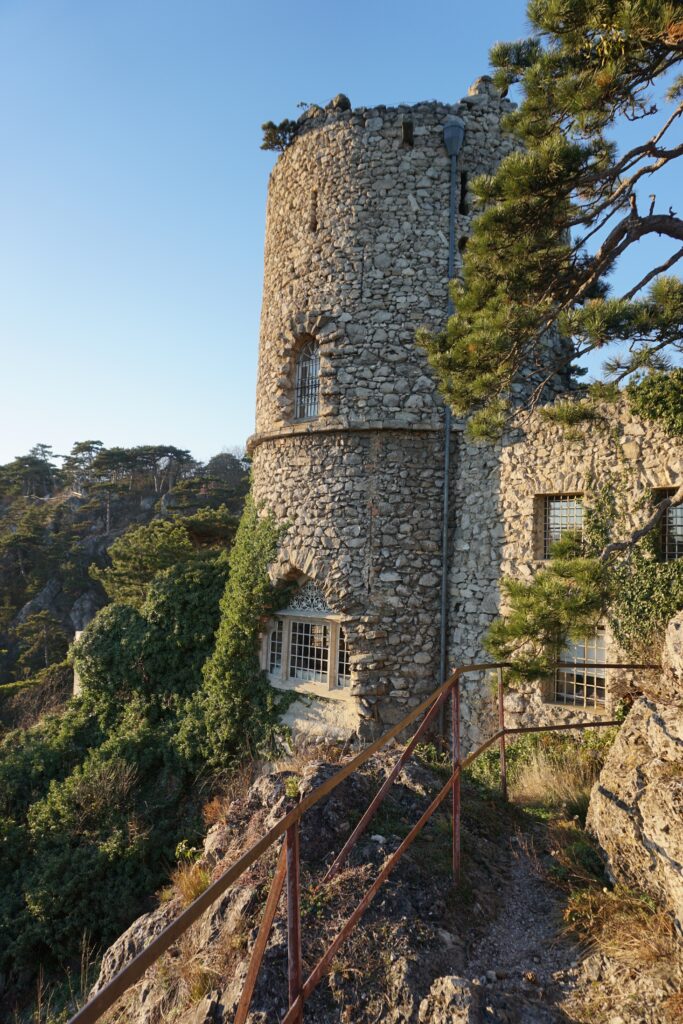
column 453, row 135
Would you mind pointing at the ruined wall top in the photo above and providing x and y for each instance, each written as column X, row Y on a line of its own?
column 356, row 255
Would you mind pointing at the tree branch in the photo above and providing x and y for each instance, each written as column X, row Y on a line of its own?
column 653, row 273
column 655, row 519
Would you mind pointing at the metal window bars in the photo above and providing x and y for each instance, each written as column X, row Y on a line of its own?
column 287, row 869
column 307, row 382
column 580, row 684
column 562, row 513
column 671, row 532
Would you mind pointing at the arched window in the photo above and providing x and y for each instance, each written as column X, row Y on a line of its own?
column 307, row 382
column 305, row 646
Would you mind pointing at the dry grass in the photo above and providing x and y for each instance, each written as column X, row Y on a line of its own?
column 672, row 1008
column 190, row 881
column 559, row 779
column 302, row 756
column 624, row 925
column 228, row 788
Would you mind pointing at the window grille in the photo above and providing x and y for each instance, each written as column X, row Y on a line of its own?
column 343, row 660
column 275, row 648
column 307, row 382
column 671, row 532
column 562, row 513
column 581, row 685
column 309, row 651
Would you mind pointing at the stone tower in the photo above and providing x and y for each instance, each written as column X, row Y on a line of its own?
column 349, row 443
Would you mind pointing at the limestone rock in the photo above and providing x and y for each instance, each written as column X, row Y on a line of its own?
column 451, row 1000
column 636, row 808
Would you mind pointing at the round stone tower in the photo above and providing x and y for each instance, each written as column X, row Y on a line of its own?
column 349, row 442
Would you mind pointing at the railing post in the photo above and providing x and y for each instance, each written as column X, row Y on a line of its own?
column 501, row 726
column 293, row 918
column 455, row 747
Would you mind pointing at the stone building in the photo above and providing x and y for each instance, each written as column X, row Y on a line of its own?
column 364, row 209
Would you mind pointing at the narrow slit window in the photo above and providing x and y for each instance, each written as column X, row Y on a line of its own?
column 307, row 382
column 671, row 531
column 463, row 206
column 343, row 660
column 582, row 684
column 309, row 651
column 562, row 513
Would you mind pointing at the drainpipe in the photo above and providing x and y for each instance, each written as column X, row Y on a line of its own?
column 453, row 134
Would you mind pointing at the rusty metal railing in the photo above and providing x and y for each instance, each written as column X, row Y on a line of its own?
column 288, row 860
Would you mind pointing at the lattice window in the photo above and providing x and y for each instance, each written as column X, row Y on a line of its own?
column 671, row 531
column 581, row 685
column 307, row 382
column 343, row 660
column 309, row 651
column 562, row 513
column 275, row 647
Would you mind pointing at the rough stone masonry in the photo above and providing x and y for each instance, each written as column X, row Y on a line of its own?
column 356, row 260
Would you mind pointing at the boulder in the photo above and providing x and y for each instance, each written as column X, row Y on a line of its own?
column 451, row 1000
column 636, row 806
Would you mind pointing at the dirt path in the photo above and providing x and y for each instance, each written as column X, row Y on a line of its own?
column 523, row 962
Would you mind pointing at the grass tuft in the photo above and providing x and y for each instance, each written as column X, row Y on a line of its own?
column 190, row 881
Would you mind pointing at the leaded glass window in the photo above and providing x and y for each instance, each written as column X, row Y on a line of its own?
column 309, row 651
column 343, row 660
column 275, row 647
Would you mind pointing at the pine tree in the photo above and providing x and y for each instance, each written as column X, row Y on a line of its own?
column 561, row 211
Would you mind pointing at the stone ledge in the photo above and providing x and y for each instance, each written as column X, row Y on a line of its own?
column 372, row 427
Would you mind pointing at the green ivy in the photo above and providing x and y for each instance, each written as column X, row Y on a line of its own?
column 659, row 397
column 236, row 707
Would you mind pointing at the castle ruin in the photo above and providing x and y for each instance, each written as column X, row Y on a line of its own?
column 353, row 445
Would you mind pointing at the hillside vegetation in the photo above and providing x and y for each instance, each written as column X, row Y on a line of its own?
column 101, row 794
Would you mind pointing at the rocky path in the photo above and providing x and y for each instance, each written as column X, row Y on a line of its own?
column 521, row 965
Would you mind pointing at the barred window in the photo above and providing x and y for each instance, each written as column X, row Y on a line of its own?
column 562, row 513
column 307, row 382
column 671, row 530
column 275, row 648
column 582, row 685
column 343, row 661
column 309, row 651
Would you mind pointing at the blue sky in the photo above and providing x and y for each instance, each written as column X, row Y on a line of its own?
column 132, row 193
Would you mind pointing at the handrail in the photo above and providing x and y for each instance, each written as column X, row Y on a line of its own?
column 288, row 826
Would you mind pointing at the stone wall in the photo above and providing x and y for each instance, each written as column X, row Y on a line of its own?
column 497, row 519
column 356, row 257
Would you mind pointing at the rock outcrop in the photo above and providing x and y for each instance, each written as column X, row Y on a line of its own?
column 636, row 808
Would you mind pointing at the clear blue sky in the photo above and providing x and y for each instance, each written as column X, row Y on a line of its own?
column 132, row 192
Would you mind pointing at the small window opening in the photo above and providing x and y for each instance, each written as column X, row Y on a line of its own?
column 309, row 651
column 307, row 382
column 562, row 513
column 671, row 529
column 407, row 131
column 313, row 212
column 582, row 685
column 464, row 206
column 343, row 660
column 275, row 648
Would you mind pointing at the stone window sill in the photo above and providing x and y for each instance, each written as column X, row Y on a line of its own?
column 339, row 693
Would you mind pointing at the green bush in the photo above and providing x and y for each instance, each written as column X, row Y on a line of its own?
column 94, row 801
